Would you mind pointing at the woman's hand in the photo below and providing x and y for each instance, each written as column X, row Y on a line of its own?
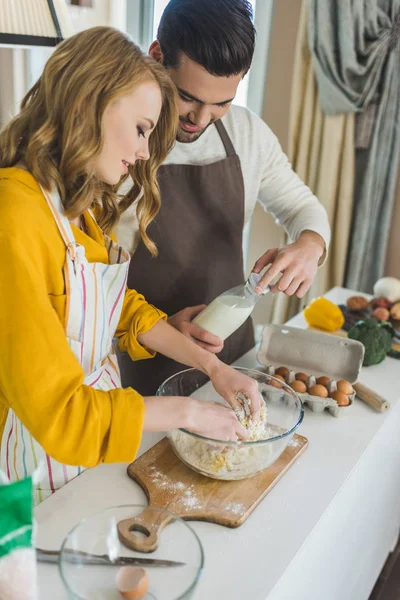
column 215, row 421
column 205, row 418
column 182, row 321
column 229, row 382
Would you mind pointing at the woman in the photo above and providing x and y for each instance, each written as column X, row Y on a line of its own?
column 101, row 109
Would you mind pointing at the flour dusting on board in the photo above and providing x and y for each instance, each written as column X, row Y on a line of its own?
column 235, row 507
column 296, row 442
column 186, row 498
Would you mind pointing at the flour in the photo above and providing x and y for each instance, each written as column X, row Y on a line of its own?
column 186, row 498
column 257, row 428
column 227, row 461
column 296, row 442
column 164, row 482
column 235, row 508
column 190, row 500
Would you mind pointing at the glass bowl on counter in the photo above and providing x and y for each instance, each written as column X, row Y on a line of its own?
column 241, row 459
column 172, row 570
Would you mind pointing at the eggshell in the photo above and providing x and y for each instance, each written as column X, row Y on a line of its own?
column 302, row 377
column 132, row 582
column 282, row 371
column 276, row 383
column 340, row 398
column 298, row 386
column 323, row 380
column 345, row 387
column 318, row 390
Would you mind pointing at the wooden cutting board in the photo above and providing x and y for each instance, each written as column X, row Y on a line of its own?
column 171, row 485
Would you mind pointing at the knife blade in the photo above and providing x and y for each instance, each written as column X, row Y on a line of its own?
column 75, row 557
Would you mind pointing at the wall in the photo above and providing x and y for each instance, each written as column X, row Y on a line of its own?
column 264, row 233
column 20, row 68
column 103, row 12
column 393, row 253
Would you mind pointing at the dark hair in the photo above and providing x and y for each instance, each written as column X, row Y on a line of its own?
column 217, row 34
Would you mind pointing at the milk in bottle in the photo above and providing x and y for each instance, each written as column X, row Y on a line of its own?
column 229, row 310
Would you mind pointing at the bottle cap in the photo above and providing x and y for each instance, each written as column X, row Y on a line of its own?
column 254, row 278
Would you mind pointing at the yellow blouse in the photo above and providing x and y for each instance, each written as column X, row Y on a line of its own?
column 40, row 377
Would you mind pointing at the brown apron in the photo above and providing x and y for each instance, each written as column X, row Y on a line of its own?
column 199, row 233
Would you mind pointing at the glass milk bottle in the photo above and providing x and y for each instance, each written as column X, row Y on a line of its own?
column 228, row 311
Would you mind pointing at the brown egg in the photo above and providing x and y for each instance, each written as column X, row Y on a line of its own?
column 298, row 386
column 382, row 314
column 277, row 384
column 340, row 398
column 132, row 582
column 345, row 387
column 282, row 371
column 302, row 377
column 318, row 390
column 323, row 380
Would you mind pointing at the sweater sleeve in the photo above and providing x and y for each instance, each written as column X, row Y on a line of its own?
column 137, row 316
column 41, row 379
column 284, row 195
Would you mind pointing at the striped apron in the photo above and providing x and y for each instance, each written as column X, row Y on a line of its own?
column 95, row 294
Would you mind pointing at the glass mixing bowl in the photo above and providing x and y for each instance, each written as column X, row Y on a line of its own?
column 234, row 460
column 98, row 535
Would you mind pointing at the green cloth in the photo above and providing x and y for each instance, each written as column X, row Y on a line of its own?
column 356, row 58
column 16, row 516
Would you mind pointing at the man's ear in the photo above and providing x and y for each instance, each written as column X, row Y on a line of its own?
column 156, row 52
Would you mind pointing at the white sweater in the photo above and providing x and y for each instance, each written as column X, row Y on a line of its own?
column 267, row 173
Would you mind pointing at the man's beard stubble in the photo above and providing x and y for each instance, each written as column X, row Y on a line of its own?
column 187, row 138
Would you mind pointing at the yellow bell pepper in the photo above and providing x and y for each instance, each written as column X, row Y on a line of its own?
column 324, row 314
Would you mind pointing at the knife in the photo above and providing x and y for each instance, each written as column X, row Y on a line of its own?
column 51, row 556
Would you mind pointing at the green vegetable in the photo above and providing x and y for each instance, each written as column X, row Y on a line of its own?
column 376, row 337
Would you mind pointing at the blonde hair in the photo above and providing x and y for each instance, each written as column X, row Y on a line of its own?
column 59, row 132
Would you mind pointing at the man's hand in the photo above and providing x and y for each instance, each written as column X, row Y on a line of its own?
column 182, row 322
column 298, row 263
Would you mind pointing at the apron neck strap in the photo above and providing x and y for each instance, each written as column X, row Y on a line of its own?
column 226, row 140
column 54, row 202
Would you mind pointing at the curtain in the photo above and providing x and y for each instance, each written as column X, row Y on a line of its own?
column 321, row 151
column 14, row 81
column 356, row 58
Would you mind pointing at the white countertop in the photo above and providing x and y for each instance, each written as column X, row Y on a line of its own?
column 340, row 498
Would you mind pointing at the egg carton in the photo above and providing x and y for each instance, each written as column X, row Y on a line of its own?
column 316, row 403
column 316, row 353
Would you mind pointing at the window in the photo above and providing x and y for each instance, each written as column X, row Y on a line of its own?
column 142, row 17
column 159, row 6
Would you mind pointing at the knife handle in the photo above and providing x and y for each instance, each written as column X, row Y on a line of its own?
column 370, row 397
column 150, row 522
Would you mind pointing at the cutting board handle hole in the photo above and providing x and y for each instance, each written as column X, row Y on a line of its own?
column 139, row 530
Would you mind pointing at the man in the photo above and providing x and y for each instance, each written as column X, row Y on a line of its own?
column 225, row 159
